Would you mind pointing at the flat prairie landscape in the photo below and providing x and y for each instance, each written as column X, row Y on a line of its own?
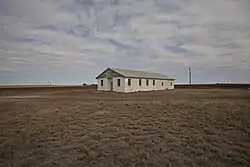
column 83, row 127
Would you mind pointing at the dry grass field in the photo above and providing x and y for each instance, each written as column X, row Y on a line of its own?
column 83, row 127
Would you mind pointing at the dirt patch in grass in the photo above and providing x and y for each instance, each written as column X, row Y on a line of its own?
column 79, row 127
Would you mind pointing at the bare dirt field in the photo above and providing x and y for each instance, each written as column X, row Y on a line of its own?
column 83, row 127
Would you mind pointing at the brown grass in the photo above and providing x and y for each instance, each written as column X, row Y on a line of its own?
column 83, row 127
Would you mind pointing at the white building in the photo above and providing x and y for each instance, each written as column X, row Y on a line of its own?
column 121, row 80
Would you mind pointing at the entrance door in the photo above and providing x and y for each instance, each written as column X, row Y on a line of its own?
column 111, row 85
column 110, row 81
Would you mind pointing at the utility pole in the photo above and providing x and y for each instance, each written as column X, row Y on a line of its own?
column 190, row 78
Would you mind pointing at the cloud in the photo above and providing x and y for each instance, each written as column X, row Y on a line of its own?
column 77, row 39
column 8, row 70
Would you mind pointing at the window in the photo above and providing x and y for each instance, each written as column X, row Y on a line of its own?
column 147, row 82
column 102, row 82
column 139, row 82
column 129, row 82
column 154, row 82
column 118, row 82
column 171, row 83
column 162, row 83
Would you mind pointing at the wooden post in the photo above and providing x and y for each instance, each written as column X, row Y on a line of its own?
column 190, row 78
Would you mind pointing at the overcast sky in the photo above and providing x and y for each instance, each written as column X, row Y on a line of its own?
column 72, row 41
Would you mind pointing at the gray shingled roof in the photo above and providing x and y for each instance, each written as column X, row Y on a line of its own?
column 140, row 74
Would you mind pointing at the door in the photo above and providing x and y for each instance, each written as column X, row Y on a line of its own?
column 111, row 85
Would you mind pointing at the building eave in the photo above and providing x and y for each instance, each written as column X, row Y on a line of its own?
column 99, row 76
